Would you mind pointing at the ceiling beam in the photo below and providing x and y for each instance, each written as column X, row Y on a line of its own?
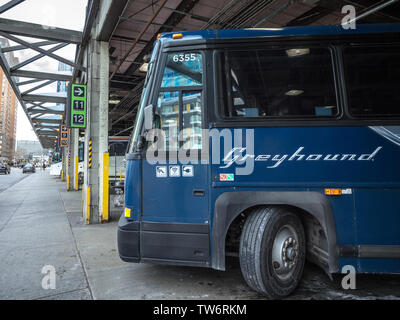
column 310, row 16
column 47, row 134
column 43, row 98
column 44, row 84
column 22, row 83
column 155, row 14
column 154, row 23
column 42, row 126
column 43, row 51
column 41, row 108
column 126, row 39
column 33, row 30
column 174, row 19
column 21, row 47
column 45, row 112
column 46, row 121
column 373, row 9
column 9, row 5
column 41, row 75
column 111, row 20
column 37, row 57
column 39, row 105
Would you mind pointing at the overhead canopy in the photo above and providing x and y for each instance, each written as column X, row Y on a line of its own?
column 131, row 27
column 135, row 24
column 44, row 110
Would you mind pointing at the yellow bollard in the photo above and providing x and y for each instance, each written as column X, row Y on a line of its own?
column 76, row 177
column 106, row 169
column 88, row 205
column 67, row 182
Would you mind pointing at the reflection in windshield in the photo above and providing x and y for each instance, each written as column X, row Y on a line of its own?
column 183, row 69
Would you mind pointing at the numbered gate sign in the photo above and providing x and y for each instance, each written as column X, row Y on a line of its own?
column 64, row 135
column 78, row 106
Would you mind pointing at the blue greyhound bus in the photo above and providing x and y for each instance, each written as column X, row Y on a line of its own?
column 313, row 172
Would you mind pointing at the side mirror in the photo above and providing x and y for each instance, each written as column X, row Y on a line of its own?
column 148, row 117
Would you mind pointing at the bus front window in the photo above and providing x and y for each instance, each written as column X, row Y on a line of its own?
column 143, row 100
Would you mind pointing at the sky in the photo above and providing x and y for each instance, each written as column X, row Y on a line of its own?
column 68, row 14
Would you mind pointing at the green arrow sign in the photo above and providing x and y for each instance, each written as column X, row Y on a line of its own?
column 78, row 106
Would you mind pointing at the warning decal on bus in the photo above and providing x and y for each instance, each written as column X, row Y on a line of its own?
column 226, row 177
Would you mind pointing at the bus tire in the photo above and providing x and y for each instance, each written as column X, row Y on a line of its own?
column 272, row 251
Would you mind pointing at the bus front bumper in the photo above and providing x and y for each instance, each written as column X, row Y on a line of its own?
column 128, row 240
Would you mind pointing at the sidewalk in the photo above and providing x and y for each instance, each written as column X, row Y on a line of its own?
column 34, row 232
column 41, row 224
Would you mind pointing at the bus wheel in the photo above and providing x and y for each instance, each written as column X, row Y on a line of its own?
column 272, row 251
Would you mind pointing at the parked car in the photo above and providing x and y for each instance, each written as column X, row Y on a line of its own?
column 5, row 168
column 29, row 168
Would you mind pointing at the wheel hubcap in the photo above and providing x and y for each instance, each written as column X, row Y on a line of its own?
column 285, row 252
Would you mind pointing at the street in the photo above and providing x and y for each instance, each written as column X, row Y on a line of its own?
column 8, row 180
column 41, row 225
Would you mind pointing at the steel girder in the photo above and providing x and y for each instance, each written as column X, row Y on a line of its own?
column 45, row 120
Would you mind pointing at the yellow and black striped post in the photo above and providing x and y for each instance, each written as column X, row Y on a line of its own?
column 69, row 158
column 90, row 152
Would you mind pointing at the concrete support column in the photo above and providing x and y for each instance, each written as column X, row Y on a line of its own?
column 97, row 129
column 73, row 149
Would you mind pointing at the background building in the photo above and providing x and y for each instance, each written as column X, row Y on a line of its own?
column 29, row 146
column 28, row 150
column 62, row 85
column 8, row 110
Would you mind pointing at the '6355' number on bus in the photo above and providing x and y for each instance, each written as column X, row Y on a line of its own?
column 184, row 57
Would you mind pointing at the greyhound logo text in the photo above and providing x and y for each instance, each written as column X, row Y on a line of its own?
column 239, row 156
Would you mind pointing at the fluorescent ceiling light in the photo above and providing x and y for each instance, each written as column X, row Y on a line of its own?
column 144, row 67
column 297, row 52
column 293, row 93
column 114, row 101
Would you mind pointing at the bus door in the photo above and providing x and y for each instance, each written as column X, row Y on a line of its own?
column 175, row 214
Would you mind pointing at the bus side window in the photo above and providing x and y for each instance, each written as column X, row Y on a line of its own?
column 283, row 83
column 373, row 79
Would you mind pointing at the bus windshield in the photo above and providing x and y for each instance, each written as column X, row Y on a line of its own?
column 143, row 101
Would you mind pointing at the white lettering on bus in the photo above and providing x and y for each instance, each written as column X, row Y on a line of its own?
column 239, row 155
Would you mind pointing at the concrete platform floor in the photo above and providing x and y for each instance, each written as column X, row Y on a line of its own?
column 41, row 224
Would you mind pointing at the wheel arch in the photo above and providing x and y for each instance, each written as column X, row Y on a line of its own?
column 230, row 205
